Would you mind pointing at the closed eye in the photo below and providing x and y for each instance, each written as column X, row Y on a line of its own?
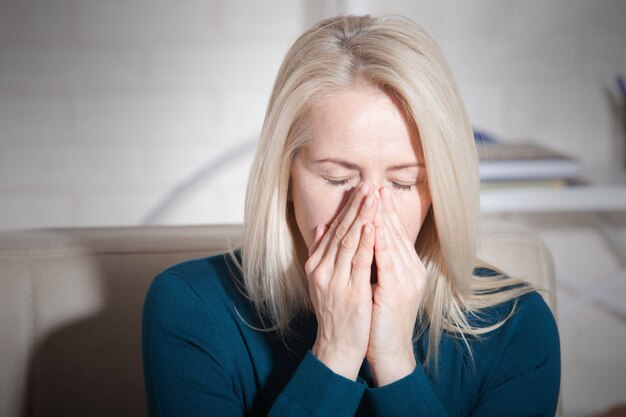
column 398, row 186
column 407, row 187
column 337, row 183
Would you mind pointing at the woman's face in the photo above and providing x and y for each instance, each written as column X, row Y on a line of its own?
column 358, row 134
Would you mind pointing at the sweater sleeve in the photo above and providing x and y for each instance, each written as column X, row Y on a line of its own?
column 410, row 396
column 186, row 373
column 315, row 390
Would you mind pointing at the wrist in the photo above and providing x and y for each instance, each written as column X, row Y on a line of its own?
column 344, row 363
column 391, row 369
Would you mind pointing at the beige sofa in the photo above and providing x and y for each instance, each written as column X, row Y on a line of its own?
column 71, row 301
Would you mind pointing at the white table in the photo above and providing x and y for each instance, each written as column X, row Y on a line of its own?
column 563, row 199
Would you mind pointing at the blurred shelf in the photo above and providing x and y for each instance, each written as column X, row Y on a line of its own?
column 580, row 198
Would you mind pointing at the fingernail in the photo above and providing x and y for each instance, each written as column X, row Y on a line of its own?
column 369, row 201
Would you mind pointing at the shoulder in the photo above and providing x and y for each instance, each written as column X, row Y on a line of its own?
column 521, row 355
column 195, row 270
column 208, row 284
column 529, row 307
column 527, row 340
column 192, row 337
column 197, row 302
column 529, row 321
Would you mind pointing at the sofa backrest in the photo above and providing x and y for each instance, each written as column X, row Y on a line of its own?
column 71, row 303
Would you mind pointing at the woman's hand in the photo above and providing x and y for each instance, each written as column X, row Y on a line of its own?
column 400, row 286
column 338, row 271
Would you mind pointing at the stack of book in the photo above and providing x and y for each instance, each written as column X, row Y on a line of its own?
column 524, row 164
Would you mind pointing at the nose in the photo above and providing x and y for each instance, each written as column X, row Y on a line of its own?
column 375, row 184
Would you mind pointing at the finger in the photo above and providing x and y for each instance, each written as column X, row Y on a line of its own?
column 342, row 223
column 319, row 232
column 384, row 262
column 379, row 219
column 351, row 241
column 362, row 260
column 322, row 247
column 392, row 214
column 400, row 244
column 398, row 235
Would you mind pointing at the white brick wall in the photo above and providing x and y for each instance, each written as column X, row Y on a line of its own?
column 106, row 106
column 27, row 118
column 145, row 21
column 121, row 100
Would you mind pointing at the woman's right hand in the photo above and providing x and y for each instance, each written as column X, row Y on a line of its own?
column 338, row 272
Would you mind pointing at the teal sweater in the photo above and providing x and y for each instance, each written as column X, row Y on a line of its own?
column 201, row 359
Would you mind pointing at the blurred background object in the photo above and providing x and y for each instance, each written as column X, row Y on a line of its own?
column 107, row 106
column 128, row 112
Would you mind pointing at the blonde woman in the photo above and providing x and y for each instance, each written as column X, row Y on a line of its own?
column 356, row 290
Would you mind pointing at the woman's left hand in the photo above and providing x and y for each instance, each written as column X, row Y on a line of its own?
column 396, row 297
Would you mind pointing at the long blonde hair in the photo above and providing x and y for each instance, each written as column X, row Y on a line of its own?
column 394, row 54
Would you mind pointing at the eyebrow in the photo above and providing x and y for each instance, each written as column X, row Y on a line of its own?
column 350, row 165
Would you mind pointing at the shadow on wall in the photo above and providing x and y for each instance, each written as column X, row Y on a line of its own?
column 92, row 366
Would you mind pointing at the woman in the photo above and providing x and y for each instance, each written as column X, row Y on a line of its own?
column 356, row 290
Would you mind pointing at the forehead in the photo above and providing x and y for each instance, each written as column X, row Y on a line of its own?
column 363, row 120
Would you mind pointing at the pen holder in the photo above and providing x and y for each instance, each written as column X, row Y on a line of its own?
column 620, row 134
column 621, row 116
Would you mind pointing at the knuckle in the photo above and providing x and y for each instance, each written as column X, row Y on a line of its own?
column 360, row 217
column 355, row 203
column 361, row 309
column 341, row 230
column 332, row 287
column 360, row 262
column 318, row 276
column 347, row 242
column 364, row 255
column 309, row 266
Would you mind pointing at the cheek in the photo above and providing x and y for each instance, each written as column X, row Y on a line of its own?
column 412, row 212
